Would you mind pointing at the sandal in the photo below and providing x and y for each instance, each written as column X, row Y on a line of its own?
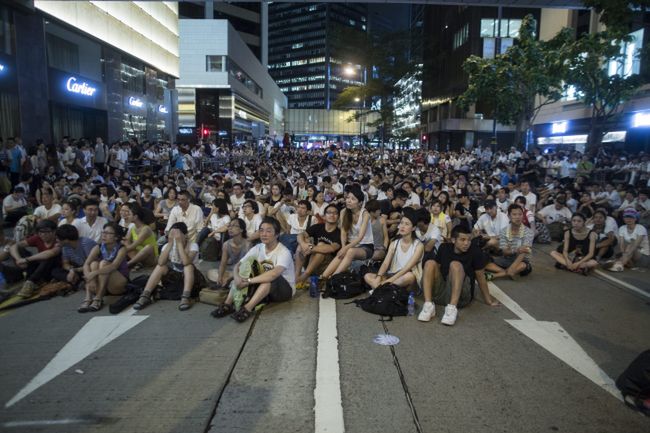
column 242, row 315
column 143, row 301
column 222, row 310
column 85, row 306
column 185, row 304
column 96, row 305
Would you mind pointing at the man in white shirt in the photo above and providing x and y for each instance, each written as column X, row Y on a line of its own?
column 531, row 197
column 190, row 214
column 556, row 216
column 490, row 225
column 49, row 210
column 237, row 199
column 91, row 225
column 14, row 206
column 413, row 199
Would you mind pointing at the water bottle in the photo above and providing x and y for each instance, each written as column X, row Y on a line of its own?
column 313, row 286
column 411, row 304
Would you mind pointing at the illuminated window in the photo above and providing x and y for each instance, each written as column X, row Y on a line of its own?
column 296, row 46
column 630, row 63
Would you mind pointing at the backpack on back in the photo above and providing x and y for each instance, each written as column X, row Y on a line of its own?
column 634, row 383
column 386, row 300
column 344, row 285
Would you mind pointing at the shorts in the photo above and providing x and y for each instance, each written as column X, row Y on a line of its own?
column 369, row 249
column 505, row 262
column 429, row 255
column 281, row 290
column 442, row 292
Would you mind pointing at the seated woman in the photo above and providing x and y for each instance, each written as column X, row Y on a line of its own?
column 105, row 270
column 164, row 208
column 275, row 283
column 577, row 252
column 402, row 265
column 232, row 251
column 178, row 258
column 356, row 235
column 216, row 224
column 633, row 240
column 69, row 210
column 140, row 242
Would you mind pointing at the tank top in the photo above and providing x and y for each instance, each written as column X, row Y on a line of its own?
column 236, row 257
column 577, row 244
column 164, row 209
column 151, row 240
column 378, row 234
column 356, row 229
column 400, row 257
column 110, row 256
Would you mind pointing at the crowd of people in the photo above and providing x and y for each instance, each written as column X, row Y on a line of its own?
column 272, row 219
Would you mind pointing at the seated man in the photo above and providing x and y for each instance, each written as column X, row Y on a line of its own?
column 275, row 284
column 49, row 210
column 489, row 226
column 516, row 243
column 448, row 278
column 74, row 252
column 38, row 266
column 14, row 206
column 318, row 245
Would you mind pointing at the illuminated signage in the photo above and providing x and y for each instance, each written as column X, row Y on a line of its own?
column 641, row 119
column 2, row 67
column 82, row 88
column 135, row 102
column 185, row 131
column 162, row 109
column 559, row 127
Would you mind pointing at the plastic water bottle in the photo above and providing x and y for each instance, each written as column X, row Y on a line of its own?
column 411, row 304
column 313, row 286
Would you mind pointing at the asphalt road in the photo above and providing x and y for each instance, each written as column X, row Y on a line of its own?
column 161, row 370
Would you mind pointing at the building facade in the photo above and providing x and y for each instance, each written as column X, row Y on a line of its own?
column 224, row 92
column 88, row 69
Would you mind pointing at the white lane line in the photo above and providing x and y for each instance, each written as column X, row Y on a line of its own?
column 552, row 337
column 98, row 332
column 45, row 422
column 628, row 286
column 327, row 394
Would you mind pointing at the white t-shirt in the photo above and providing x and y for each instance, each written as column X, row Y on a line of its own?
column 552, row 215
column 413, row 200
column 253, row 225
column 93, row 232
column 280, row 256
column 492, row 227
column 296, row 227
column 175, row 258
column 610, row 227
column 639, row 230
column 41, row 212
column 217, row 223
column 433, row 232
column 10, row 202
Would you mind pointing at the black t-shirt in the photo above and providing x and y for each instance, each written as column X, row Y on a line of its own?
column 473, row 260
column 386, row 207
column 318, row 233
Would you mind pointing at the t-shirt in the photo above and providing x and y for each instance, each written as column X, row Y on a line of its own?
column 318, row 233
column 296, row 227
column 639, row 230
column 10, row 202
column 552, row 215
column 472, row 260
column 36, row 241
column 433, row 232
column 610, row 227
column 174, row 257
column 42, row 213
column 280, row 256
column 491, row 226
column 77, row 256
column 93, row 232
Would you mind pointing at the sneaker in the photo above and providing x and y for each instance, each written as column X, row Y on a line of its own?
column 428, row 312
column 28, row 289
column 451, row 314
column 616, row 267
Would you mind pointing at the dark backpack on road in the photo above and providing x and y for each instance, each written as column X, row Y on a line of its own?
column 344, row 286
column 386, row 300
column 634, row 383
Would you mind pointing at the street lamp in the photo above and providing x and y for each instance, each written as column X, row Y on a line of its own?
column 351, row 71
column 357, row 100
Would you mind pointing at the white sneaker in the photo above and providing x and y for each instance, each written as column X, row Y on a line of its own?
column 428, row 312
column 451, row 314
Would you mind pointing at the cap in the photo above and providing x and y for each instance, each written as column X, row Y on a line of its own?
column 630, row 212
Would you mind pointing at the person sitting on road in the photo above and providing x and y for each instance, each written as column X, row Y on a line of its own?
column 318, row 245
column 232, row 251
column 276, row 282
column 516, row 243
column 489, row 226
column 74, row 252
column 606, row 230
column 140, row 241
column 69, row 210
column 91, row 225
column 14, row 206
column 48, row 210
column 106, row 270
column 440, row 219
column 189, row 214
column 427, row 232
column 379, row 230
column 402, row 265
column 37, row 266
column 177, row 261
column 450, row 275
column 576, row 253
column 253, row 220
column 356, row 235
column 633, row 241
column 216, row 223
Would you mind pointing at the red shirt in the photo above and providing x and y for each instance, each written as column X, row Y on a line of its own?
column 36, row 241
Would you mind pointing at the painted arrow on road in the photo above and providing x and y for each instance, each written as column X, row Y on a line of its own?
column 552, row 337
column 95, row 334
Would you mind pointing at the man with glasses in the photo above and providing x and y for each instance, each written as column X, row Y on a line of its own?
column 188, row 213
column 38, row 266
column 318, row 245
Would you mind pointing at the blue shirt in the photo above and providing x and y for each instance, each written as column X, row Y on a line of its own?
column 77, row 256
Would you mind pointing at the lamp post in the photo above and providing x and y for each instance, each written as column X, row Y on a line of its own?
column 351, row 71
column 357, row 100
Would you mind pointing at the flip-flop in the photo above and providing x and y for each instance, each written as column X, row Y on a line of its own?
column 85, row 306
column 96, row 305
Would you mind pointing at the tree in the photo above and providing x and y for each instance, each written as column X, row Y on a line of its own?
column 617, row 14
column 602, row 80
column 519, row 82
column 384, row 57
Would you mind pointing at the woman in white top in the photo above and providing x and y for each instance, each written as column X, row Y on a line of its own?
column 403, row 263
column 216, row 223
column 253, row 220
column 633, row 241
column 318, row 206
column 356, row 234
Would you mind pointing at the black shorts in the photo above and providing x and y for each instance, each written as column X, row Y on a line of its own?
column 430, row 255
column 505, row 262
column 369, row 249
column 281, row 290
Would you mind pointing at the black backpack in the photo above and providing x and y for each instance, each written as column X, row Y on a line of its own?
column 386, row 300
column 344, row 285
column 634, row 383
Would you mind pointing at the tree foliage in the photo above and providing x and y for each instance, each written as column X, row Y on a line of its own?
column 617, row 14
column 519, row 82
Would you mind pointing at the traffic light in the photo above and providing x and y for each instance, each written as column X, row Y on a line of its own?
column 424, row 138
column 205, row 132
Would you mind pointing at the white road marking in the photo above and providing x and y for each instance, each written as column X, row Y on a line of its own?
column 95, row 334
column 327, row 394
column 628, row 286
column 552, row 337
column 45, row 422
